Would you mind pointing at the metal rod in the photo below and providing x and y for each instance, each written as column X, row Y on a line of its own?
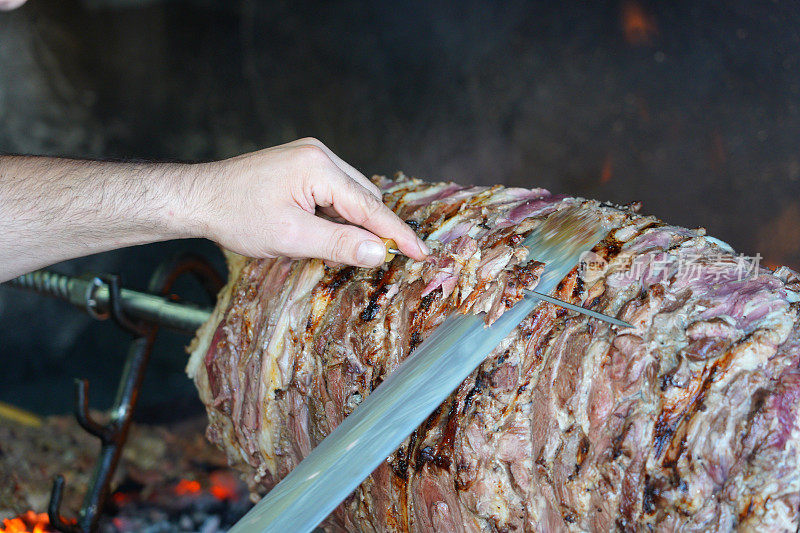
column 92, row 294
column 183, row 317
column 579, row 309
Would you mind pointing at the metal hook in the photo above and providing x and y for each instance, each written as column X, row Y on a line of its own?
column 186, row 263
column 114, row 434
column 84, row 417
column 115, row 307
column 53, row 509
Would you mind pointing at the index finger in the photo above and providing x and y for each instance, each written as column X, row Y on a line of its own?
column 358, row 206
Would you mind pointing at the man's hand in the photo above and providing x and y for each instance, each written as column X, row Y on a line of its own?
column 262, row 204
column 265, row 204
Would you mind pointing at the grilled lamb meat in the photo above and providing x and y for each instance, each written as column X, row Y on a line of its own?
column 688, row 421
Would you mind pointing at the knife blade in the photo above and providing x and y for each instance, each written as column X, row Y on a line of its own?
column 374, row 430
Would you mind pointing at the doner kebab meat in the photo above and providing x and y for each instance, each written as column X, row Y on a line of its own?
column 687, row 421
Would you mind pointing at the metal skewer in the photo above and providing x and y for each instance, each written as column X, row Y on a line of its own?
column 579, row 309
column 93, row 295
column 392, row 250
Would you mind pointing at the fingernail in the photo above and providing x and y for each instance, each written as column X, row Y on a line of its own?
column 423, row 247
column 370, row 253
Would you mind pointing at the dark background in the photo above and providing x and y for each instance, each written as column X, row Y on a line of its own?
column 689, row 107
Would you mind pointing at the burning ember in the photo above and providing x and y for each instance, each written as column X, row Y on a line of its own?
column 29, row 522
column 224, row 486
column 170, row 479
column 213, row 503
column 221, row 485
column 185, row 486
column 209, row 503
column 638, row 26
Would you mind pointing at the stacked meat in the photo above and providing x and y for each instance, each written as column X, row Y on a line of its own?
column 689, row 420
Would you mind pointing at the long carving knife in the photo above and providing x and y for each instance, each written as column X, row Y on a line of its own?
column 316, row 486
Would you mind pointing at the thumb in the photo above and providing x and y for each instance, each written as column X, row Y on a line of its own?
column 342, row 243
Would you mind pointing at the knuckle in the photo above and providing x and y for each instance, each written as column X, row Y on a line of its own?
column 370, row 207
column 311, row 141
column 340, row 245
column 310, row 154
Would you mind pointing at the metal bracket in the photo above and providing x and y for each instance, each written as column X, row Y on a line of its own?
column 113, row 435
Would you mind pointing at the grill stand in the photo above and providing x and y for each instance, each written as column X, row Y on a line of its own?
column 114, row 434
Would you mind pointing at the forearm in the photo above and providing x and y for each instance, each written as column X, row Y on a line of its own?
column 56, row 209
column 262, row 204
